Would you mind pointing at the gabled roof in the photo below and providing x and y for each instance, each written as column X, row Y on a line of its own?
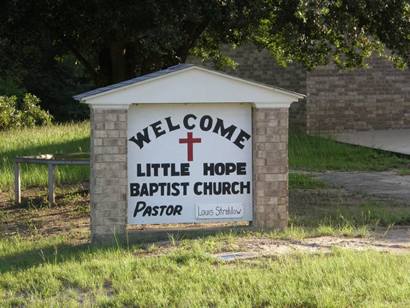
column 187, row 83
column 135, row 80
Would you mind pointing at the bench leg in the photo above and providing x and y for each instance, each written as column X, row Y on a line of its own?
column 51, row 184
column 17, row 184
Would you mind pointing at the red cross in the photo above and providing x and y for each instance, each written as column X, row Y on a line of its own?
column 190, row 145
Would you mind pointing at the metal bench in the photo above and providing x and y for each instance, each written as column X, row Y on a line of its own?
column 52, row 161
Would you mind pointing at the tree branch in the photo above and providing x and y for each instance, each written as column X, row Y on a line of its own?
column 194, row 35
column 88, row 66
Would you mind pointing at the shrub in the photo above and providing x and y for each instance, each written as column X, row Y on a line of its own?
column 31, row 112
column 9, row 114
column 24, row 113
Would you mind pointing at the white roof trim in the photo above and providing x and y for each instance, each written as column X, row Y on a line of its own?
column 109, row 106
column 269, row 105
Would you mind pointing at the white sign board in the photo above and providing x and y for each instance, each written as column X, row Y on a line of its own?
column 189, row 163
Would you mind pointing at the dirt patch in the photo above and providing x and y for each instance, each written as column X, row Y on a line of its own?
column 35, row 217
column 308, row 208
column 394, row 240
column 324, row 244
column 397, row 241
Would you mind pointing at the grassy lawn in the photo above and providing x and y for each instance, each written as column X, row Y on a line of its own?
column 45, row 258
column 47, row 270
column 319, row 154
column 349, row 217
column 54, row 139
column 50, row 272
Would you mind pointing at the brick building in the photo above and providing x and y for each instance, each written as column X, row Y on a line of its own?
column 377, row 97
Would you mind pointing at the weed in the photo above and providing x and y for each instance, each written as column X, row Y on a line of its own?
column 303, row 181
column 404, row 171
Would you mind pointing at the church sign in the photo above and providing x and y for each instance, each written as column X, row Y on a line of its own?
column 187, row 145
column 189, row 163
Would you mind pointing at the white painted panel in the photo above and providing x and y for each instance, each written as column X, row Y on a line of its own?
column 232, row 161
column 196, row 85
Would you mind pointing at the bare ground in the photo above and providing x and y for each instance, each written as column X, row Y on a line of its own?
column 396, row 240
column 35, row 217
column 70, row 217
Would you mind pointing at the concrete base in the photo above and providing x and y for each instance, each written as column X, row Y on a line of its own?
column 393, row 140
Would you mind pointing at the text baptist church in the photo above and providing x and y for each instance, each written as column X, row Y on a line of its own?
column 136, row 127
column 189, row 122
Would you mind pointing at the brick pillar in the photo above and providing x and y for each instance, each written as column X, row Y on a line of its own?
column 270, row 155
column 108, row 180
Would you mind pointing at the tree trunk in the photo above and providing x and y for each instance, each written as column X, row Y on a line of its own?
column 118, row 62
column 114, row 64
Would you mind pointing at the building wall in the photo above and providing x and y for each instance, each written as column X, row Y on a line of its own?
column 363, row 99
column 374, row 98
column 259, row 65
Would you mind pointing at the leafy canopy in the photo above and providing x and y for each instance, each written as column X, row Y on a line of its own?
column 116, row 40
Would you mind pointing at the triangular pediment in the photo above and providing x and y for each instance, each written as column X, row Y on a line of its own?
column 188, row 84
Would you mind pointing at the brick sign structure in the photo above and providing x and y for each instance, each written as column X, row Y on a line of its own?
column 187, row 145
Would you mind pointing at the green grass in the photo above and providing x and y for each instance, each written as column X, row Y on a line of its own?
column 54, row 139
column 53, row 273
column 319, row 154
column 336, row 217
column 303, row 181
column 404, row 171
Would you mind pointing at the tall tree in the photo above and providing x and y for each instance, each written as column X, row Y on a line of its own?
column 116, row 40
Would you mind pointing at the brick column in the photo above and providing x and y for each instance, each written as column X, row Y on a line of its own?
column 270, row 172
column 108, row 180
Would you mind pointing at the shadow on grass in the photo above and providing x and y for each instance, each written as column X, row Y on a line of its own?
column 47, row 253
column 57, row 253
column 40, row 199
column 71, row 146
column 65, row 173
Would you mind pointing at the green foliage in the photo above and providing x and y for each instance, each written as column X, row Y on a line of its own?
column 143, row 36
column 31, row 113
column 26, row 113
column 10, row 87
column 9, row 114
column 345, row 32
